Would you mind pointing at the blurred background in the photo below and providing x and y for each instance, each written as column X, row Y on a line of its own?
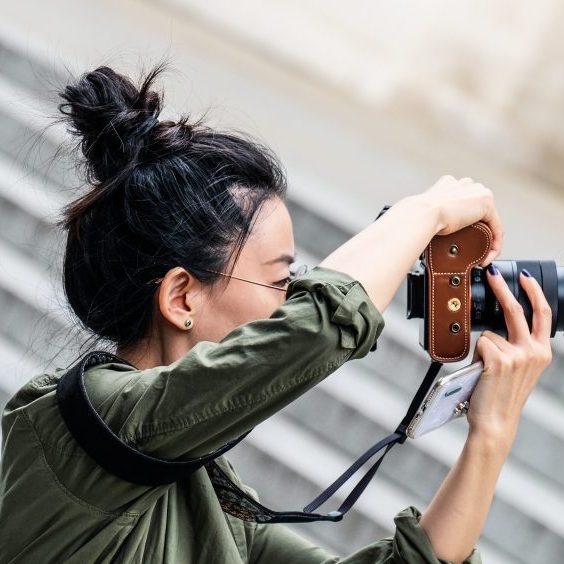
column 365, row 102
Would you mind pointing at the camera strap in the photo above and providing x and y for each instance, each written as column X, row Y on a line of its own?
column 117, row 457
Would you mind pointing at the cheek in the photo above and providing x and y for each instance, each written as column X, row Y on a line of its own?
column 248, row 304
column 235, row 309
column 257, row 304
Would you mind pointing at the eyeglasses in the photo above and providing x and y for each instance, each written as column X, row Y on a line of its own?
column 296, row 270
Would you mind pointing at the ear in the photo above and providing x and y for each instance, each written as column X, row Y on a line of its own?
column 176, row 298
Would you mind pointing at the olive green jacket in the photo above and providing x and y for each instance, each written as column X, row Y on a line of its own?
column 57, row 505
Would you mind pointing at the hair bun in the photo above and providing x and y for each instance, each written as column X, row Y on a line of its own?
column 113, row 117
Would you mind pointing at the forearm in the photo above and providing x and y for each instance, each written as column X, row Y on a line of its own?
column 381, row 255
column 217, row 391
column 457, row 513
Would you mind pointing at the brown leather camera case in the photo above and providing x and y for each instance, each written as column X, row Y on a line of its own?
column 449, row 260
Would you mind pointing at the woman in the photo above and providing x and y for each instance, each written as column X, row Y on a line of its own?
column 179, row 255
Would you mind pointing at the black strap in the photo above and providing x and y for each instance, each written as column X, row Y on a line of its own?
column 398, row 436
column 104, row 446
column 120, row 459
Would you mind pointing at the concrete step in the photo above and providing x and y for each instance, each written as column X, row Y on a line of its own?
column 28, row 69
column 30, row 137
column 34, row 316
column 28, row 213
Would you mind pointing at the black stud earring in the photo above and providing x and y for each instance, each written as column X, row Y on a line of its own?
column 188, row 323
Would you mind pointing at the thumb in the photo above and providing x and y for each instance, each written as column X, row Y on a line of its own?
column 484, row 348
column 476, row 357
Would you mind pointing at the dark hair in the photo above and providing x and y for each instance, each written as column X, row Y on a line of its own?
column 163, row 194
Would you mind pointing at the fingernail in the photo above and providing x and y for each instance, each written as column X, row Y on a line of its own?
column 526, row 272
column 493, row 269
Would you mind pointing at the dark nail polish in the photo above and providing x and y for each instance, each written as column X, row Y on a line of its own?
column 493, row 269
column 526, row 272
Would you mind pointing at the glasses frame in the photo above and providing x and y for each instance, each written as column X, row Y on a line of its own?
column 296, row 271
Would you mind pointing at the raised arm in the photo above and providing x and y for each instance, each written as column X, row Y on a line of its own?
column 219, row 390
column 381, row 254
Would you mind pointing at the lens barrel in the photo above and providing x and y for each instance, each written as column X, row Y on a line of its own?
column 486, row 311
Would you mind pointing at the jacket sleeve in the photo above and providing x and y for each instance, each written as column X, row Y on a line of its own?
column 218, row 391
column 409, row 545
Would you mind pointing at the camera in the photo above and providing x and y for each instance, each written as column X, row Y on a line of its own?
column 452, row 296
column 485, row 310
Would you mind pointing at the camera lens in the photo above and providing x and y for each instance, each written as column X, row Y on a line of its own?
column 487, row 312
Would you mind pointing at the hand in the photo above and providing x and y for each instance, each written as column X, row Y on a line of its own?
column 462, row 203
column 511, row 367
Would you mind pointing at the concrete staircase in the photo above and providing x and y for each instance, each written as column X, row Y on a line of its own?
column 291, row 457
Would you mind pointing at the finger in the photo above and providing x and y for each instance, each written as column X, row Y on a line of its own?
column 477, row 354
column 487, row 350
column 517, row 327
column 502, row 344
column 466, row 180
column 493, row 221
column 542, row 312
